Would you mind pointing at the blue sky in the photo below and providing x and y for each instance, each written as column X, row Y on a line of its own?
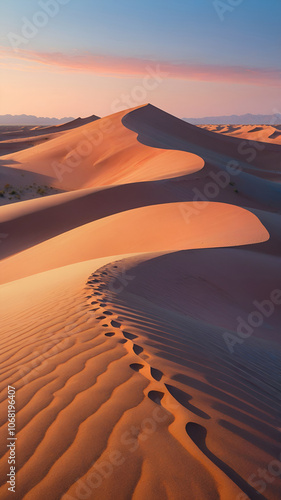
column 182, row 32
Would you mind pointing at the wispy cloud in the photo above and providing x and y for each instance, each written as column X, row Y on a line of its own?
column 132, row 67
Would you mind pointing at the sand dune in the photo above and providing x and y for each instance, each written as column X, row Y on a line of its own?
column 140, row 314
column 14, row 139
column 261, row 133
column 102, row 153
column 148, row 229
column 91, row 371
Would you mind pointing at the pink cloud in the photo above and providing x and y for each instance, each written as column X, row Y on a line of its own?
column 132, row 67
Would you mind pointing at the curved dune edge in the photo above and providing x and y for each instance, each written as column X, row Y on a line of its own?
column 13, row 140
column 119, row 306
column 157, row 228
column 101, row 153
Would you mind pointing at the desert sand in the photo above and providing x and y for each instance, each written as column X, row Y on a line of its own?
column 141, row 309
column 260, row 133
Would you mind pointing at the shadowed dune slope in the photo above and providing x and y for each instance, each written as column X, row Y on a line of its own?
column 183, row 135
column 79, row 395
column 148, row 229
column 13, row 139
column 140, row 314
column 102, row 153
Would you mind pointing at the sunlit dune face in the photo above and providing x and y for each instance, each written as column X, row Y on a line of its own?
column 166, row 227
column 140, row 306
column 102, row 153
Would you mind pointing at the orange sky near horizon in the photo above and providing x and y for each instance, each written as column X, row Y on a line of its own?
column 65, row 58
column 42, row 90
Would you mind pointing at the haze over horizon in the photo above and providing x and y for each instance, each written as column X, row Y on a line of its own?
column 245, row 119
column 59, row 59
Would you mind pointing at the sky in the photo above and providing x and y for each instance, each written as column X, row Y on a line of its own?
column 192, row 58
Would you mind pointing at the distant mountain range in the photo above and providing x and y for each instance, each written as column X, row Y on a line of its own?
column 247, row 119
column 32, row 120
